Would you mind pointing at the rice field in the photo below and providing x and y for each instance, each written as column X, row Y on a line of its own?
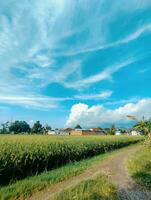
column 23, row 156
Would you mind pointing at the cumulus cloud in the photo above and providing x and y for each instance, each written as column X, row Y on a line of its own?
column 98, row 114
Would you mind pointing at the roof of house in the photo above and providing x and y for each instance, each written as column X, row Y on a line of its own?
column 68, row 129
column 96, row 129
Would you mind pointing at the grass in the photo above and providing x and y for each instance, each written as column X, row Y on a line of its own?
column 140, row 167
column 99, row 188
column 24, row 188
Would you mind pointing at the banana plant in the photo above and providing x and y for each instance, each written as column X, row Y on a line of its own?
column 142, row 125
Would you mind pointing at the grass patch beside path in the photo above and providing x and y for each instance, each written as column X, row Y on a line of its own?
column 25, row 188
column 99, row 188
column 139, row 166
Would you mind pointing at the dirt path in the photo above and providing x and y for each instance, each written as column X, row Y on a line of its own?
column 116, row 169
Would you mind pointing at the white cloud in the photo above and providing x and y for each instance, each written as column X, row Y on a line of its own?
column 32, row 102
column 131, row 37
column 43, row 61
column 31, row 47
column 98, row 114
column 123, row 101
column 103, row 75
column 102, row 95
column 45, row 102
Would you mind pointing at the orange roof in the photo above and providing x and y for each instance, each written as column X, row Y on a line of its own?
column 96, row 129
column 68, row 129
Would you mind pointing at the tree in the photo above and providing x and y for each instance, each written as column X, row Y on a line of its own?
column 37, row 128
column 19, row 127
column 112, row 130
column 142, row 125
column 149, row 126
column 78, row 126
column 47, row 128
column 122, row 130
column 5, row 128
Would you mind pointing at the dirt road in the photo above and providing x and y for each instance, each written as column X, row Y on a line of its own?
column 116, row 169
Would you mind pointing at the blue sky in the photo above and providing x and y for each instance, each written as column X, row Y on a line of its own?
column 65, row 62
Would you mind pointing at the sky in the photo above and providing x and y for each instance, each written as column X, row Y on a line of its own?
column 67, row 62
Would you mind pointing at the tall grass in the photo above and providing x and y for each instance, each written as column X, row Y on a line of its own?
column 22, row 156
column 94, row 189
column 140, row 167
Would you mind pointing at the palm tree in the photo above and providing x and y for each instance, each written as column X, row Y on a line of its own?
column 142, row 125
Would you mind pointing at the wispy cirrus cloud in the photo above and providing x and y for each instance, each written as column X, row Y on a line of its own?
column 46, row 102
column 47, row 47
column 130, row 38
column 101, row 95
column 31, row 102
column 103, row 75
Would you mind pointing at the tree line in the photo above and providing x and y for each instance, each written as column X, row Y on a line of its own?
column 17, row 127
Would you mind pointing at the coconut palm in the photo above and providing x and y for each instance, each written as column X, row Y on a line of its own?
column 142, row 125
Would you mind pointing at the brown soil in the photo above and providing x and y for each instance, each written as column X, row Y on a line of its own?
column 116, row 169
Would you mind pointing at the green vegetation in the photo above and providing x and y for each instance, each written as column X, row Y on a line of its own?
column 112, row 130
column 22, row 127
column 22, row 156
column 78, row 126
column 37, row 128
column 19, row 127
column 144, row 126
column 140, row 167
column 24, row 188
column 94, row 189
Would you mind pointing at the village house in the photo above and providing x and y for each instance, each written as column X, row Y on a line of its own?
column 66, row 131
column 135, row 132
column 118, row 132
column 51, row 132
column 93, row 131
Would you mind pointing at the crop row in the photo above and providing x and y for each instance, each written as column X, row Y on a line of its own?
column 22, row 156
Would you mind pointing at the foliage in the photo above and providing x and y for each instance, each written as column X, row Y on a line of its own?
column 22, row 156
column 37, row 128
column 149, row 126
column 122, row 130
column 112, row 130
column 5, row 128
column 140, row 167
column 46, row 129
column 19, row 127
column 99, row 188
column 78, row 126
column 142, row 125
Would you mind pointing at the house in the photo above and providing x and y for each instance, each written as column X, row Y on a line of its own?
column 92, row 131
column 66, row 131
column 134, row 133
column 51, row 132
column 118, row 132
column 98, row 131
